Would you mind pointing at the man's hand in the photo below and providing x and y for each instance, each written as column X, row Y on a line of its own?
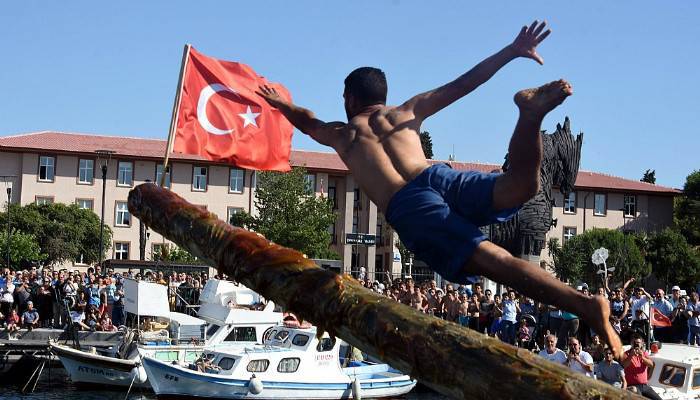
column 270, row 95
column 524, row 45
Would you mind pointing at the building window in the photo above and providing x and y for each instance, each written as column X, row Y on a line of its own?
column 121, row 251
column 84, row 204
column 159, row 176
column 44, row 200
column 47, row 168
column 86, row 171
column 157, row 251
column 630, row 209
column 378, row 235
column 235, row 180
column 122, row 216
column 378, row 267
column 231, row 211
column 570, row 203
column 125, row 173
column 332, row 198
column 356, row 199
column 310, row 183
column 600, row 206
column 569, row 232
column 355, row 223
column 199, row 179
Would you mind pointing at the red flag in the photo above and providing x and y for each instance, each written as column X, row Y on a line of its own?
column 222, row 119
column 658, row 319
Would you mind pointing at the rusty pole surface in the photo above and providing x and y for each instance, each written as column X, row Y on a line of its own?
column 453, row 360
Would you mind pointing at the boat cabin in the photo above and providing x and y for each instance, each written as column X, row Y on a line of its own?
column 284, row 350
column 676, row 372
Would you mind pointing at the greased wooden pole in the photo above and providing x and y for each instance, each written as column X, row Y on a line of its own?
column 451, row 359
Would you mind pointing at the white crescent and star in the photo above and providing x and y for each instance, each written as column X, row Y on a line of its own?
column 249, row 117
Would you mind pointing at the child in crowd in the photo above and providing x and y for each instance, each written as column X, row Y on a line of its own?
column 11, row 323
column 523, row 331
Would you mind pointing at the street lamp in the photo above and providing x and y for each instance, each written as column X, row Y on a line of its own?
column 8, row 179
column 104, row 156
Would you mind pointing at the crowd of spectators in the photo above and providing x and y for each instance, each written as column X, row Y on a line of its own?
column 91, row 300
column 637, row 315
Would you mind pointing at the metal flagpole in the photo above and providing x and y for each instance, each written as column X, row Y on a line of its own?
column 173, row 118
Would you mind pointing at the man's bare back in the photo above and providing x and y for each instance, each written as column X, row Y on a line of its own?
column 382, row 147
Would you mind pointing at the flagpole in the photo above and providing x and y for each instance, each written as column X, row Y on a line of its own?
column 173, row 118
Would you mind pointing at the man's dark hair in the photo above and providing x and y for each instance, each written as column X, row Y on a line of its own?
column 367, row 85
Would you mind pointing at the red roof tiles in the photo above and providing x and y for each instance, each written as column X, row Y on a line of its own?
column 61, row 142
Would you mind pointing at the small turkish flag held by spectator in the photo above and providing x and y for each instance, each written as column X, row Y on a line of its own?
column 658, row 319
column 222, row 119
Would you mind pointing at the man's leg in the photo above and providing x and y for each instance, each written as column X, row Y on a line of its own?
column 497, row 264
column 648, row 392
column 522, row 179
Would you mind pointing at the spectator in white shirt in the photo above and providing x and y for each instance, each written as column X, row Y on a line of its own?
column 579, row 360
column 551, row 352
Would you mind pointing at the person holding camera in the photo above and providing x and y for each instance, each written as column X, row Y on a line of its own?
column 693, row 313
column 636, row 362
column 579, row 360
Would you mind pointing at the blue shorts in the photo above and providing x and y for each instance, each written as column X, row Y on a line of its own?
column 438, row 215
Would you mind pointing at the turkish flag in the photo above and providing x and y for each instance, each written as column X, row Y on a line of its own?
column 222, row 119
column 658, row 319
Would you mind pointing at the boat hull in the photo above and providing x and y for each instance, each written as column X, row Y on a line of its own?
column 90, row 369
column 170, row 381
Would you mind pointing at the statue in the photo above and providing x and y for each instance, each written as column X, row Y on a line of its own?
column 525, row 233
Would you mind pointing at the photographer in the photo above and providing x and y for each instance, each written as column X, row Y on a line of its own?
column 693, row 314
column 636, row 362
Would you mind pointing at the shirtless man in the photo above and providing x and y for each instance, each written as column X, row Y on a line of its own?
column 436, row 210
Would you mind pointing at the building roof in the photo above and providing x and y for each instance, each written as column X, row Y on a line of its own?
column 78, row 143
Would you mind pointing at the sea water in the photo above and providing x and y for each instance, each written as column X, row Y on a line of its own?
column 55, row 385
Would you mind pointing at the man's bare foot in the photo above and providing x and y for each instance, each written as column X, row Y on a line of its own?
column 539, row 101
column 598, row 318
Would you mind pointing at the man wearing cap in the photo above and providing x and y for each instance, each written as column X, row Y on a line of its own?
column 30, row 318
column 675, row 297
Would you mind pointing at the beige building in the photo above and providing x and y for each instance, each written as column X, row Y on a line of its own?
column 61, row 167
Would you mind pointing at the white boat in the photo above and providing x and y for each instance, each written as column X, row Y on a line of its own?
column 291, row 364
column 676, row 373
column 226, row 319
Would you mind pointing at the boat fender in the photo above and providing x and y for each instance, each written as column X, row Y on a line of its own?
column 255, row 385
column 140, row 373
column 356, row 389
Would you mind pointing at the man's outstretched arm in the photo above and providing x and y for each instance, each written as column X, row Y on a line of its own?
column 428, row 103
column 302, row 118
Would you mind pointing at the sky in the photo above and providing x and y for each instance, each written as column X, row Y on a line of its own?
column 112, row 68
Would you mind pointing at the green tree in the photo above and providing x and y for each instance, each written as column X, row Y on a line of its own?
column 427, row 144
column 687, row 209
column 291, row 215
column 671, row 258
column 63, row 232
column 174, row 254
column 572, row 262
column 649, row 176
column 23, row 248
